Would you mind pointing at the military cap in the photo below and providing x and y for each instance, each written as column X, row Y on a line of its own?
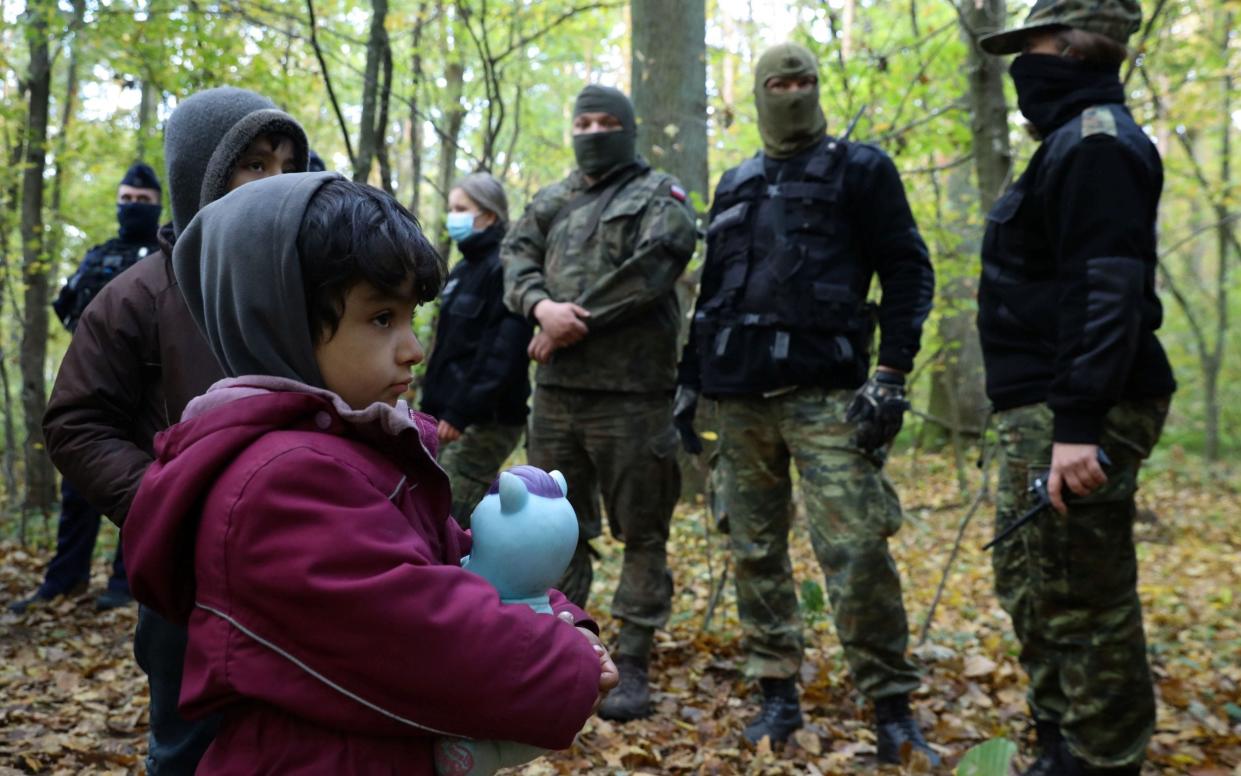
column 1116, row 19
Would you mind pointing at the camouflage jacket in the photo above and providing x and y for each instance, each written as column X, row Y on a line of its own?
column 623, row 270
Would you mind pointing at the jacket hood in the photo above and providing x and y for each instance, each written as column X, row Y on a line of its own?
column 238, row 266
column 206, row 135
column 216, row 428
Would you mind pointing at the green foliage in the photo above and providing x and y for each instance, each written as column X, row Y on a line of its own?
column 991, row 758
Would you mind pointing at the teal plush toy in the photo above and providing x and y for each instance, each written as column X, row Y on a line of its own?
column 525, row 534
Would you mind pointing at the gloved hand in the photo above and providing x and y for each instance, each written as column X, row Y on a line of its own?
column 878, row 409
column 684, row 406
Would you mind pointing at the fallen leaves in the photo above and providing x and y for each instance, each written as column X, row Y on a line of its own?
column 72, row 700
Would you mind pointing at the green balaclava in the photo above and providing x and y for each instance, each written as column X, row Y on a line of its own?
column 598, row 153
column 792, row 121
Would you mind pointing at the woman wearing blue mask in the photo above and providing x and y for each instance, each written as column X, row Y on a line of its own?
column 477, row 380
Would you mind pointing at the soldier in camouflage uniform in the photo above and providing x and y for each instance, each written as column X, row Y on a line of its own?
column 1067, row 314
column 781, row 337
column 593, row 261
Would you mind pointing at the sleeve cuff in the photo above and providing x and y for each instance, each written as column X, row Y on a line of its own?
column 531, row 298
column 896, row 359
column 455, row 419
column 1077, row 427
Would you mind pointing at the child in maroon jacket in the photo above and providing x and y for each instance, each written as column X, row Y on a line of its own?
column 297, row 521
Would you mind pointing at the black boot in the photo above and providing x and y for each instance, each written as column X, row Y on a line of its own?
column 632, row 697
column 781, row 713
column 1048, row 762
column 894, row 725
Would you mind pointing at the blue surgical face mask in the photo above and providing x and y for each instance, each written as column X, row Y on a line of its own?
column 460, row 226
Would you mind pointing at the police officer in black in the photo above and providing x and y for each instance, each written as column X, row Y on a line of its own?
column 781, row 338
column 137, row 213
column 1067, row 317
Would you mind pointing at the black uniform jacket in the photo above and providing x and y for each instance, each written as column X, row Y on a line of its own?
column 478, row 370
column 1067, row 309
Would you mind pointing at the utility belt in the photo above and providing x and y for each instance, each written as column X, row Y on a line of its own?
column 752, row 353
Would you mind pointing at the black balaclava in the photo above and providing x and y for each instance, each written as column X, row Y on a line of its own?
column 1052, row 89
column 598, row 153
column 139, row 221
column 792, row 121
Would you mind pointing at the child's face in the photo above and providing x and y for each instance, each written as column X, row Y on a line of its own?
column 267, row 155
column 367, row 359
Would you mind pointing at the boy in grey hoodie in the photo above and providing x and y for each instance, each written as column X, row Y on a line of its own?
column 137, row 359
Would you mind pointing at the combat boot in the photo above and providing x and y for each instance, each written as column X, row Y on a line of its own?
column 1048, row 762
column 895, row 725
column 632, row 697
column 781, row 713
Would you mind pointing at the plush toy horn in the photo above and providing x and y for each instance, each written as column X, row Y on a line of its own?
column 559, row 478
column 513, row 493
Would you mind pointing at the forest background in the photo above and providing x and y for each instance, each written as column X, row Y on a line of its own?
column 412, row 94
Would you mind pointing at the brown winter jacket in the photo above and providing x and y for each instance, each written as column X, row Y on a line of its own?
column 136, row 360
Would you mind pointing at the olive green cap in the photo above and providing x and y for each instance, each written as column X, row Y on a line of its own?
column 1116, row 19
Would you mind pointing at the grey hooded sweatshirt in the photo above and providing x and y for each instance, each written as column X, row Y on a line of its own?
column 138, row 357
column 236, row 257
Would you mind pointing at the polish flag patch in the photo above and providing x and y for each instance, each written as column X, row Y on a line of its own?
column 677, row 193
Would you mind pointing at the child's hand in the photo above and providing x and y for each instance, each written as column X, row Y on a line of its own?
column 609, row 676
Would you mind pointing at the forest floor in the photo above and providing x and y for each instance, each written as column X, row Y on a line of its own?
column 73, row 701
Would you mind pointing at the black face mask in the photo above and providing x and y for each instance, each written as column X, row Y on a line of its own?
column 1052, row 89
column 139, row 221
column 598, row 153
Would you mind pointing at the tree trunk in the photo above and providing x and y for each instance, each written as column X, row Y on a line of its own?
column 8, row 211
column 415, row 121
column 1224, row 235
column 454, row 115
column 670, row 88
column 147, row 140
column 369, row 135
column 958, row 395
column 62, row 137
column 40, row 477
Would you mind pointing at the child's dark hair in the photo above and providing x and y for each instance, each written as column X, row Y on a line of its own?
column 351, row 233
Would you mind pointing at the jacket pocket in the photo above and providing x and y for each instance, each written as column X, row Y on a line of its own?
column 466, row 305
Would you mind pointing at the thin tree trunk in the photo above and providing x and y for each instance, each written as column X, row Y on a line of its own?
column 454, row 114
column 1214, row 365
column 368, row 137
column 957, row 390
column 381, row 128
column 8, row 210
column 415, row 121
column 40, row 477
column 62, row 137
column 146, row 140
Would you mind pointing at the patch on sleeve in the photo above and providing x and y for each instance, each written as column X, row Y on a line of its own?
column 1098, row 121
column 677, row 193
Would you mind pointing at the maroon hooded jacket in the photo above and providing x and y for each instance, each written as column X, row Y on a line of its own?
column 310, row 550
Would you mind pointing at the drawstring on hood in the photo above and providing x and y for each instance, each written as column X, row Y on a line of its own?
column 240, row 272
column 206, row 135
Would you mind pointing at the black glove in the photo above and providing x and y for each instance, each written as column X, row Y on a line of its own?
column 683, row 408
column 878, row 409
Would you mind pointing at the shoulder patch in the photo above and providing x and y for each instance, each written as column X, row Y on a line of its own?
column 677, row 193
column 1098, row 121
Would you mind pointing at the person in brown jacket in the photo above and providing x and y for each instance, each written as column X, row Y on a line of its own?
column 137, row 358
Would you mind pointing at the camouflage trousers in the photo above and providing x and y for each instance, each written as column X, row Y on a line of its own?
column 1070, row 586
column 473, row 462
column 619, row 448
column 851, row 509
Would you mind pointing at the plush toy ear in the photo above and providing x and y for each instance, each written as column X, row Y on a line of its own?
column 559, row 478
column 513, row 493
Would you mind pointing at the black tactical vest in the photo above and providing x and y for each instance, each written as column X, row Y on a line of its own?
column 101, row 265
column 790, row 308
